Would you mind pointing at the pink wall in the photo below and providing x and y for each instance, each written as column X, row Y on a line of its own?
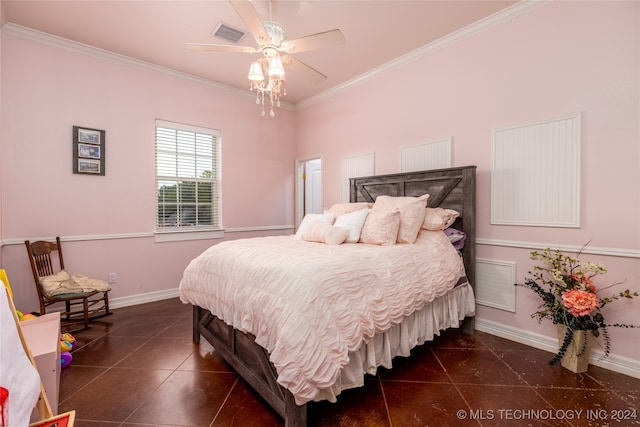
column 561, row 58
column 48, row 89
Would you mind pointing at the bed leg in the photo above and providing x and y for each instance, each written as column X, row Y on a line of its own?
column 197, row 311
column 295, row 416
column 469, row 325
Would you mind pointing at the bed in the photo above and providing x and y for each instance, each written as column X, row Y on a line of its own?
column 240, row 293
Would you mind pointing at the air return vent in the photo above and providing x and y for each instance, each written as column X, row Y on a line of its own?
column 228, row 32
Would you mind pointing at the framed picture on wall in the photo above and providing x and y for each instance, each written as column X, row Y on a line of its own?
column 88, row 151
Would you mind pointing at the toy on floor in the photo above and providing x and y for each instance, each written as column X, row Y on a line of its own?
column 26, row 316
column 67, row 344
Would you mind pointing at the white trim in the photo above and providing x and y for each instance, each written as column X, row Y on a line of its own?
column 80, row 238
column 61, row 42
column 179, row 236
column 143, row 298
column 591, row 250
column 504, row 15
column 269, row 228
column 91, row 237
column 621, row 364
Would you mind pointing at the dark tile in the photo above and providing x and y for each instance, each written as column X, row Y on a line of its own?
column 364, row 406
column 107, row 350
column 186, row 398
column 205, row 358
column 592, row 407
column 74, row 378
column 159, row 353
column 613, row 380
column 508, row 406
column 497, row 343
column 455, row 338
column 145, row 326
column 533, row 367
column 425, row 404
column 421, row 365
column 163, row 379
column 181, row 328
column 475, row 366
column 245, row 408
column 115, row 395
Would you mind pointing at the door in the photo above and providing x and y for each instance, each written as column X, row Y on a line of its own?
column 309, row 188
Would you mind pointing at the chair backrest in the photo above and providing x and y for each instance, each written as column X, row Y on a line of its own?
column 43, row 260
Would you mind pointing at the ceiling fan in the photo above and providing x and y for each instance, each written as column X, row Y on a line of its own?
column 271, row 40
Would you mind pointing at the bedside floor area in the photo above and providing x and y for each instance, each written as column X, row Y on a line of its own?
column 139, row 367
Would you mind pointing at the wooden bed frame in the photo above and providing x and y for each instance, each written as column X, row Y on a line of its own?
column 452, row 188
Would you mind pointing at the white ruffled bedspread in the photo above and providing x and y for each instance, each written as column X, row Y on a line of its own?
column 310, row 305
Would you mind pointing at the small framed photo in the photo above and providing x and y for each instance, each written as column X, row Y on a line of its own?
column 88, row 151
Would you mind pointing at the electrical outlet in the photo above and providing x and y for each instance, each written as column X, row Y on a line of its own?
column 113, row 278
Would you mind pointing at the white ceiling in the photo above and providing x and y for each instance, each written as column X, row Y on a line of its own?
column 156, row 31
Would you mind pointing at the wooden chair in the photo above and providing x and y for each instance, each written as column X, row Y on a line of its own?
column 79, row 306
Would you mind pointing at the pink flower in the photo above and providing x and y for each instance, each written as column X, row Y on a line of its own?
column 580, row 303
column 586, row 281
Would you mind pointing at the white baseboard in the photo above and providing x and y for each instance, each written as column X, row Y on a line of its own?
column 623, row 365
column 143, row 298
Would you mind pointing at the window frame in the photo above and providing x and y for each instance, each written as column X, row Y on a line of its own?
column 195, row 232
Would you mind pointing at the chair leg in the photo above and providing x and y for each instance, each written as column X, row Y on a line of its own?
column 106, row 303
column 85, row 306
column 68, row 307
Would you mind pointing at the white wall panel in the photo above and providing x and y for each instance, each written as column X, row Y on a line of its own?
column 535, row 177
column 427, row 156
column 354, row 167
column 495, row 284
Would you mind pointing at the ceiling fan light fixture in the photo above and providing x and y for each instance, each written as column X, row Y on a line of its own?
column 276, row 69
column 255, row 72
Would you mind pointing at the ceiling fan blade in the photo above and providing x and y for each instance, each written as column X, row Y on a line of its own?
column 252, row 20
column 303, row 69
column 220, row 47
column 316, row 41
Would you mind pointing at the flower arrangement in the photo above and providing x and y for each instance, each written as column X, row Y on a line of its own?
column 570, row 298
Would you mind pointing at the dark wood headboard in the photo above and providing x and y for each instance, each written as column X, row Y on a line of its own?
column 453, row 188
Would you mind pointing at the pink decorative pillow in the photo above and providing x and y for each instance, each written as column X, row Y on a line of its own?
column 325, row 233
column 345, row 208
column 381, row 227
column 412, row 211
column 439, row 218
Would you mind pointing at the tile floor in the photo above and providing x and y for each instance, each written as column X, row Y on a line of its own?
column 139, row 367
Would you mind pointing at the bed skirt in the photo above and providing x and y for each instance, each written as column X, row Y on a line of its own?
column 417, row 328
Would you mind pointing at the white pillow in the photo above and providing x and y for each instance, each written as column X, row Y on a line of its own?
column 325, row 233
column 327, row 218
column 352, row 222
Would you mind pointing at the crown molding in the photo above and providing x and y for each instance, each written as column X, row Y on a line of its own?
column 520, row 8
column 63, row 43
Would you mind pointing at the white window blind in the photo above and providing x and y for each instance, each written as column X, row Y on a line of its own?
column 187, row 177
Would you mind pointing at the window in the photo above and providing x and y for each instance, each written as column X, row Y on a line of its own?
column 187, row 178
